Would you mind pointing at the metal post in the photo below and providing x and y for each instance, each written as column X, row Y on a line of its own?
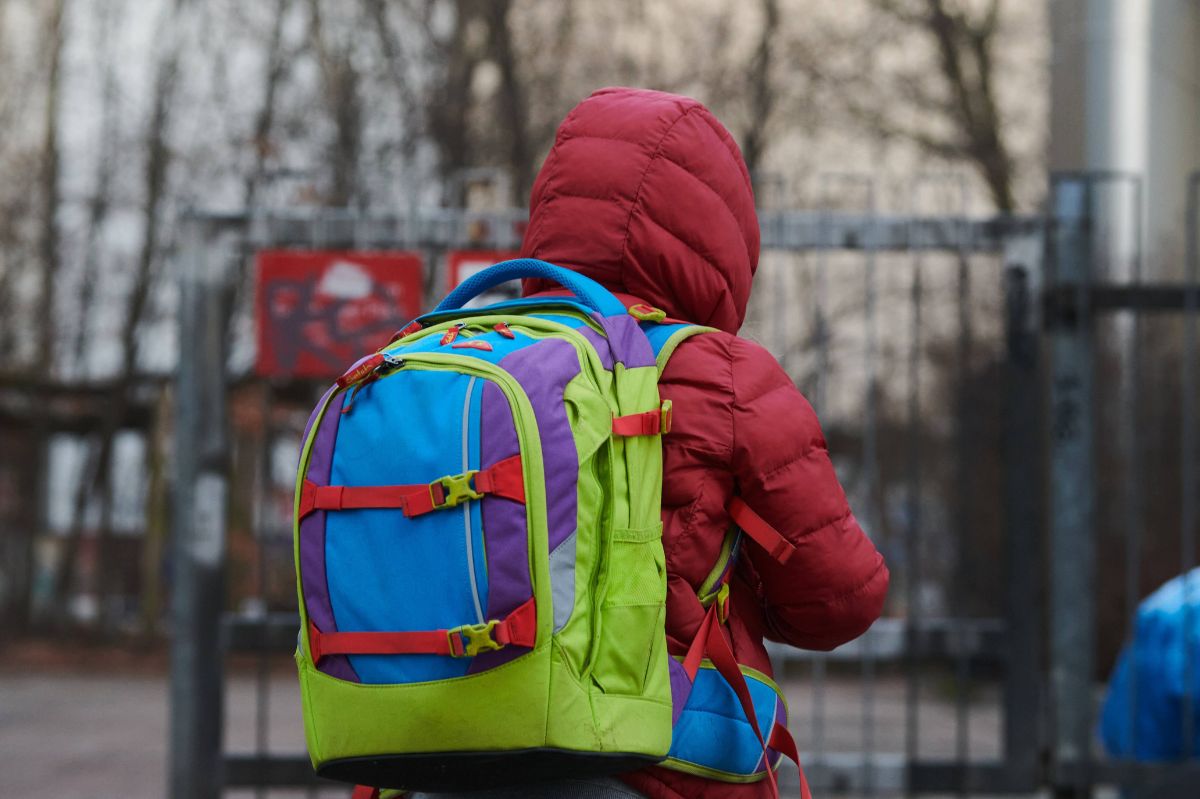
column 198, row 541
column 1023, row 474
column 1188, row 460
column 1072, row 492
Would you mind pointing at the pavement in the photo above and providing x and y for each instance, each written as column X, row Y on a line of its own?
column 66, row 734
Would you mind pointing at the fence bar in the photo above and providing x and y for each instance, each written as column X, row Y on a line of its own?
column 1131, row 447
column 1144, row 298
column 913, row 532
column 262, row 677
column 201, row 489
column 870, row 459
column 1187, row 532
column 964, row 440
column 1023, row 518
column 1072, row 497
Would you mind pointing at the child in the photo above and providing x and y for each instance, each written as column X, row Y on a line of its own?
column 647, row 193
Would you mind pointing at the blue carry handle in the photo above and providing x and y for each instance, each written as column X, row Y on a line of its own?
column 588, row 291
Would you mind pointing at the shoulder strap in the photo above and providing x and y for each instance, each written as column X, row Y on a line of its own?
column 667, row 334
column 710, row 641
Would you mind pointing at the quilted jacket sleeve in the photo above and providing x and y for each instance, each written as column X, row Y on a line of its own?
column 833, row 587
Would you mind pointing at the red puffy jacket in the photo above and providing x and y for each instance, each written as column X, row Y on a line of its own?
column 648, row 194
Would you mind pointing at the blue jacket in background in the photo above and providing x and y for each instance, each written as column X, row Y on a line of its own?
column 1142, row 717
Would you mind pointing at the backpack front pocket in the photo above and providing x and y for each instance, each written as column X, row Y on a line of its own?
column 632, row 611
column 412, row 523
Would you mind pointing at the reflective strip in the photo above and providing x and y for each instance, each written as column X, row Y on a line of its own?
column 562, row 580
column 466, row 465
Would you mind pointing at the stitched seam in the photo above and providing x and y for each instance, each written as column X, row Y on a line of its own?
column 804, row 455
column 766, row 393
column 582, row 197
column 724, row 277
column 687, row 529
column 738, row 163
column 839, row 598
column 818, row 528
column 724, row 200
column 637, row 195
column 733, row 444
column 596, row 137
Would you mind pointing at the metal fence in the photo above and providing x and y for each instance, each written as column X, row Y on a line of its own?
column 1122, row 437
column 918, row 338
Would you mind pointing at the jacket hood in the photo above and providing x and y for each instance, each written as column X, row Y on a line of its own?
column 647, row 193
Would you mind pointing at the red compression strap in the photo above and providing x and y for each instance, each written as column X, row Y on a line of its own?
column 364, row 792
column 425, row 642
column 695, row 653
column 763, row 534
column 315, row 497
column 504, row 479
column 723, row 659
column 781, row 741
column 519, row 628
column 650, row 423
column 638, row 424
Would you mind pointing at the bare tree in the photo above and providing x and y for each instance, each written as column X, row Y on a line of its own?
column 50, row 190
column 761, row 89
column 400, row 66
column 340, row 83
column 100, row 202
column 449, row 103
column 264, row 120
column 966, row 97
column 97, row 476
column 512, row 101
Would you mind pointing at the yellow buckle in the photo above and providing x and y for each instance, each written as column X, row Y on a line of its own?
column 469, row 640
column 455, row 489
column 723, row 603
column 665, row 426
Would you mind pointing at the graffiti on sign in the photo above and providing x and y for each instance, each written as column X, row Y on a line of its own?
column 317, row 312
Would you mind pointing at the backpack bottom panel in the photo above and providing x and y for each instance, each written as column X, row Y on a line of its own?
column 468, row 771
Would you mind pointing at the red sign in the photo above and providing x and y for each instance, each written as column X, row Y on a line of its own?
column 461, row 264
column 318, row 312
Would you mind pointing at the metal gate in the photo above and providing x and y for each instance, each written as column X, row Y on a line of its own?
column 916, row 336
column 1121, row 426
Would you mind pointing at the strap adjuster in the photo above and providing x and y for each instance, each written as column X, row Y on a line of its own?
column 647, row 313
column 471, row 639
column 648, row 423
column 452, row 490
column 722, row 602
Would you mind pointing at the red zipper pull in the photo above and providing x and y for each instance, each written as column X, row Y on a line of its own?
column 451, row 334
column 472, row 344
column 411, row 328
column 361, row 371
column 504, row 330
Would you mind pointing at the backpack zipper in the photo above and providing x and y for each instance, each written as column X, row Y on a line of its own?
column 468, row 536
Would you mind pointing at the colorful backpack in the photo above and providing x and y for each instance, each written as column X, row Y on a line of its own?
column 479, row 558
